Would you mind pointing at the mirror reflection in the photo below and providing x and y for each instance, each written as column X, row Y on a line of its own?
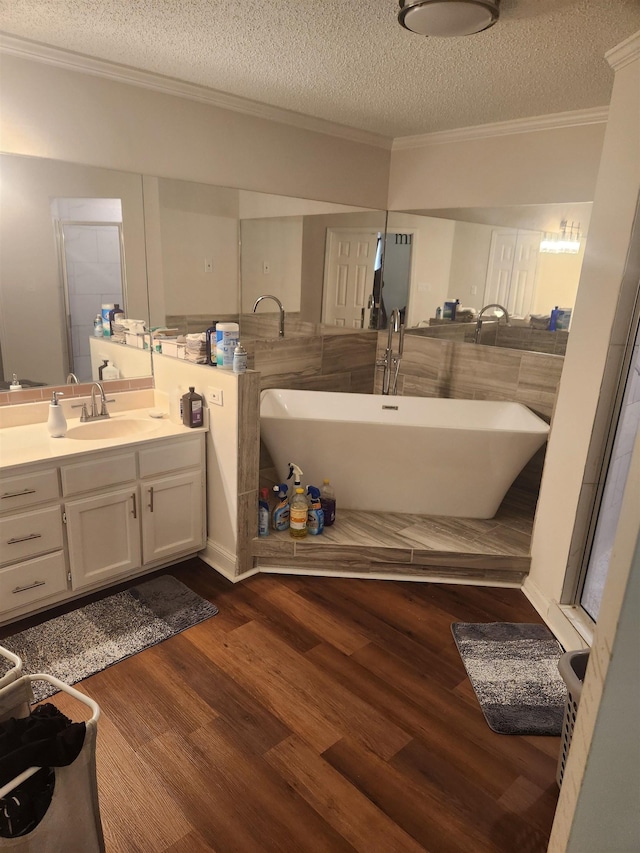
column 184, row 255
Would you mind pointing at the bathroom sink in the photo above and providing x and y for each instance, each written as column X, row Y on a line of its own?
column 111, row 428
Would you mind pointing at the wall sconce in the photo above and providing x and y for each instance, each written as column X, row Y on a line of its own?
column 566, row 242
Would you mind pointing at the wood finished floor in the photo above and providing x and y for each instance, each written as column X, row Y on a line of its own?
column 315, row 715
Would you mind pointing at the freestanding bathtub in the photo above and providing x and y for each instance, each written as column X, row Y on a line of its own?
column 422, row 455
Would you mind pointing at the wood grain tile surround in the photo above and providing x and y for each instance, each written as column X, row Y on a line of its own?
column 371, row 544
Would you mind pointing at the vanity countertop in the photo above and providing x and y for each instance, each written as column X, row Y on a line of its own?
column 21, row 445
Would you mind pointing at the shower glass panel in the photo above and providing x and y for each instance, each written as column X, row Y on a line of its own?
column 615, row 481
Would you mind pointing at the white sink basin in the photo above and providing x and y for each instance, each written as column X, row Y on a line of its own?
column 112, row 428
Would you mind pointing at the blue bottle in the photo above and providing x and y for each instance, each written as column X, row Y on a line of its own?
column 315, row 515
column 281, row 512
column 263, row 513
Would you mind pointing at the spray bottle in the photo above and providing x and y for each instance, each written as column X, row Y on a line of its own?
column 299, row 511
column 315, row 515
column 296, row 473
column 280, row 516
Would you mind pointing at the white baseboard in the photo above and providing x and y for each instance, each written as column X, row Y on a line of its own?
column 553, row 616
column 223, row 561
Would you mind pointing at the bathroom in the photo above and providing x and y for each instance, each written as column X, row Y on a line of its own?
column 355, row 173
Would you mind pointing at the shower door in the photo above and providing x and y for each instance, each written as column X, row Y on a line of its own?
column 92, row 269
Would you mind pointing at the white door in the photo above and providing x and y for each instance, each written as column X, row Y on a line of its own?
column 511, row 274
column 348, row 277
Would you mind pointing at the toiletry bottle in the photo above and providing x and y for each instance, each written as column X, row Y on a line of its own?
column 328, row 503
column 15, row 383
column 210, row 341
column 192, row 409
column 438, row 312
column 263, row 512
column 110, row 371
column 97, row 326
column 280, row 516
column 239, row 359
column 56, row 422
column 298, row 515
column 106, row 328
column 553, row 321
column 115, row 314
column 315, row 515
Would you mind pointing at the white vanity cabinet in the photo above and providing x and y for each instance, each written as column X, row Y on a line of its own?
column 32, row 559
column 120, row 518
column 98, row 518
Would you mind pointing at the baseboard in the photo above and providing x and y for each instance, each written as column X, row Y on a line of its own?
column 554, row 618
column 223, row 561
column 432, row 577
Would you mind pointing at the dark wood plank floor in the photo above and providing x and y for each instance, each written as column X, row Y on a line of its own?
column 316, row 714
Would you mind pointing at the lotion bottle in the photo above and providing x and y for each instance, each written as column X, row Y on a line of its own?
column 56, row 422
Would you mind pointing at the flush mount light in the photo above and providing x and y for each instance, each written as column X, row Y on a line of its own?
column 448, row 18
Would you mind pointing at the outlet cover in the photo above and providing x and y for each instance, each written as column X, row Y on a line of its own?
column 214, row 395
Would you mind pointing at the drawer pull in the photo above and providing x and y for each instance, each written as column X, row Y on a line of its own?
column 151, row 499
column 134, row 511
column 31, row 586
column 24, row 538
column 18, row 494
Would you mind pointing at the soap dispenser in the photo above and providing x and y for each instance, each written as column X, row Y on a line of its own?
column 57, row 423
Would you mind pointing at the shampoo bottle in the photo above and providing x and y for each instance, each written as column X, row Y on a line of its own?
column 192, row 409
column 315, row 515
column 280, row 517
column 298, row 517
column 263, row 513
column 328, row 503
column 56, row 422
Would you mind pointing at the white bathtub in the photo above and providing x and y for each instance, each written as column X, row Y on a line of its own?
column 420, row 455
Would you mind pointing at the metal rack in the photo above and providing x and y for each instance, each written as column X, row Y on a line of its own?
column 72, row 819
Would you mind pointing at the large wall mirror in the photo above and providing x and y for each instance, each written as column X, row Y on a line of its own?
column 184, row 254
column 481, row 256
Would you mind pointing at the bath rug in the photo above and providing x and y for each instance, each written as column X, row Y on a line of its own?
column 513, row 669
column 87, row 640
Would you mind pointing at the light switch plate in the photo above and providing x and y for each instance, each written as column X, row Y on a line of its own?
column 214, row 395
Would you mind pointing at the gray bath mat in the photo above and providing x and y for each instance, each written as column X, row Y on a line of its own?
column 88, row 640
column 513, row 669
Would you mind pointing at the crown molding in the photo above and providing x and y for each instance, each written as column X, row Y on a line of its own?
column 624, row 53
column 553, row 121
column 71, row 61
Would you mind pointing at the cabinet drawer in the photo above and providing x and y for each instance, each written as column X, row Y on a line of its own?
column 98, row 473
column 29, row 533
column 32, row 581
column 173, row 456
column 28, row 489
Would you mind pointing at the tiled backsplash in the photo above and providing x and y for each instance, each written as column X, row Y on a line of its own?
column 83, row 389
column 437, row 368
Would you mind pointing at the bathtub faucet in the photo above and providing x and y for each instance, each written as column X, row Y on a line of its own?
column 280, row 308
column 391, row 360
column 476, row 336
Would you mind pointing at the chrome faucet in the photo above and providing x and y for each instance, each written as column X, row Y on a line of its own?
column 95, row 414
column 391, row 360
column 72, row 379
column 476, row 336
column 280, row 308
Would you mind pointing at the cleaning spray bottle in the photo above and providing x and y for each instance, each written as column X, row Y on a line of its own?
column 299, row 511
column 296, row 473
column 315, row 515
column 328, row 502
column 263, row 512
column 280, row 515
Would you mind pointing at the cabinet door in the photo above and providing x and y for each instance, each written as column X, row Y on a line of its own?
column 172, row 516
column 104, row 537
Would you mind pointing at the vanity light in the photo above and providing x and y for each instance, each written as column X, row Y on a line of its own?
column 566, row 242
column 448, row 18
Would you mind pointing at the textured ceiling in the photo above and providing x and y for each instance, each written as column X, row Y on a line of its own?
column 349, row 61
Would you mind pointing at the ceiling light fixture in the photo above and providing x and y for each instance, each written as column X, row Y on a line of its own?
column 566, row 242
column 448, row 18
